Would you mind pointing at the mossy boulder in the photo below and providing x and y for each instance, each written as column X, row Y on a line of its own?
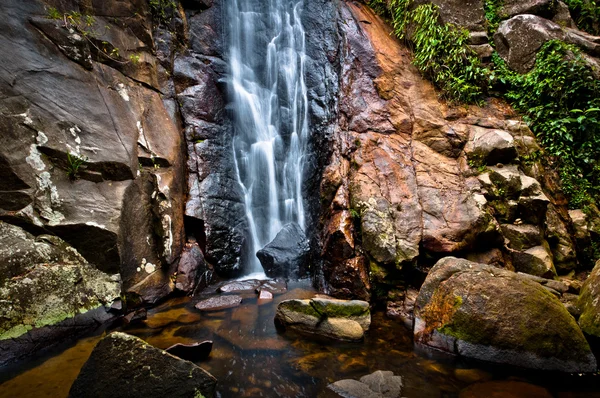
column 335, row 319
column 482, row 312
column 122, row 365
column 50, row 293
column 589, row 302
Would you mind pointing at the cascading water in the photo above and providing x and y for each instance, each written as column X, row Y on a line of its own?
column 269, row 105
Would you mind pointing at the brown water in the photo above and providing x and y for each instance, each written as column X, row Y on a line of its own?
column 251, row 359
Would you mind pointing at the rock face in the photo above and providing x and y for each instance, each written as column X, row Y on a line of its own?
column 482, row 312
column 589, row 302
column 335, row 319
column 122, row 365
column 402, row 181
column 287, row 254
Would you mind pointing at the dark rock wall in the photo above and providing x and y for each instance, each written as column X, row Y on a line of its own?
column 85, row 86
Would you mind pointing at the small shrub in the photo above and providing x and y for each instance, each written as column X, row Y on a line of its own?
column 134, row 58
column 74, row 164
column 586, row 14
column 53, row 13
column 162, row 10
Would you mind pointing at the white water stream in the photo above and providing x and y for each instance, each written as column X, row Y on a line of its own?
column 269, row 105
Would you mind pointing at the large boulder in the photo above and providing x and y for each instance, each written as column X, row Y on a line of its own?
column 334, row 319
column 589, row 302
column 49, row 292
column 482, row 312
column 518, row 39
column 287, row 254
column 122, row 365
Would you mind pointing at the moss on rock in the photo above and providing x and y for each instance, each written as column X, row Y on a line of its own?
column 492, row 314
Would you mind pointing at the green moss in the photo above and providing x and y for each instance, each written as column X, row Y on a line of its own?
column 342, row 309
column 300, row 306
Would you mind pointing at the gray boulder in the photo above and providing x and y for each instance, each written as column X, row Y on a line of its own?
column 519, row 39
column 122, row 365
column 379, row 384
column 287, row 254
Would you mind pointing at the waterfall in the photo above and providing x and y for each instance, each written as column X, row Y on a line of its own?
column 269, row 106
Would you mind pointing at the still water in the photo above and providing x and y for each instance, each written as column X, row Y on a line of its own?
column 250, row 358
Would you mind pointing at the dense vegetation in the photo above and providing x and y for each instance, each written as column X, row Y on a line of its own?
column 559, row 98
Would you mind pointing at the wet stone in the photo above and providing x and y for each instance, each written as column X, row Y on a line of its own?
column 219, row 303
column 275, row 286
column 265, row 295
column 240, row 286
column 379, row 384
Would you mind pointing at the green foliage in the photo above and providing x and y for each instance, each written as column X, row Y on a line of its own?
column 74, row 163
column 441, row 52
column 162, row 10
column 492, row 15
column 586, row 14
column 53, row 13
column 355, row 214
column 134, row 58
column 561, row 102
column 379, row 6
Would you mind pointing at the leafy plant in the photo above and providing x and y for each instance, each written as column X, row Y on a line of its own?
column 493, row 15
column 560, row 99
column 162, row 10
column 74, row 164
column 53, row 13
column 134, row 58
column 441, row 51
column 586, row 14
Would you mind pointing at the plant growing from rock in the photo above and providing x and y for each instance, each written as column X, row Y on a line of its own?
column 74, row 164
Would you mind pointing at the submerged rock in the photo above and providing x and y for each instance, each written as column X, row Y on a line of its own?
column 219, row 303
column 240, row 286
column 589, row 302
column 490, row 314
column 379, row 384
column 122, row 365
column 287, row 254
column 191, row 352
column 504, row 389
column 335, row 319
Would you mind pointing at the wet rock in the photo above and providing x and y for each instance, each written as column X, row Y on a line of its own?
column 379, row 384
column 470, row 309
column 347, row 320
column 135, row 316
column 191, row 352
column 240, row 286
column 287, row 254
column 265, row 295
column 472, row 375
column 219, row 303
column 589, row 302
column 191, row 268
column 488, row 146
column 403, row 310
column 122, row 365
column 274, row 286
column 505, row 389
